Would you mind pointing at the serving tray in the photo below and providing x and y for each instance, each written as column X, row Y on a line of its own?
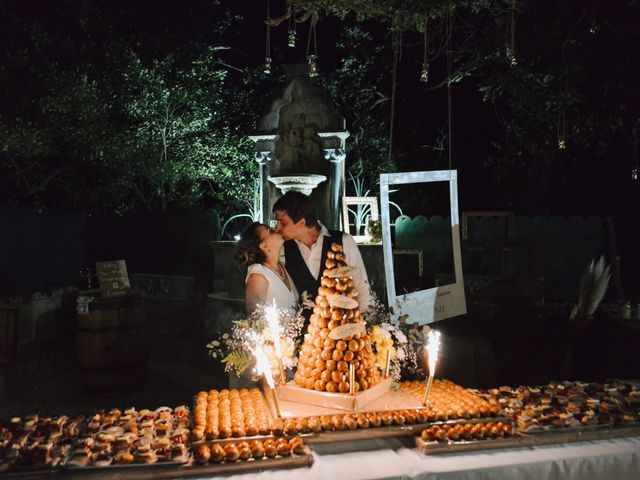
column 192, row 469
column 463, row 446
column 388, row 431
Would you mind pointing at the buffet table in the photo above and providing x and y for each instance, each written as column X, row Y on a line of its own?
column 395, row 458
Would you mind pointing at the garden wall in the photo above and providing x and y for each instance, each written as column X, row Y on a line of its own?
column 39, row 250
column 560, row 248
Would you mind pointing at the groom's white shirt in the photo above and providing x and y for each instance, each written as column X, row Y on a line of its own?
column 313, row 256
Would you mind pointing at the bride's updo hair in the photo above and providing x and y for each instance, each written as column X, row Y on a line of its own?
column 248, row 251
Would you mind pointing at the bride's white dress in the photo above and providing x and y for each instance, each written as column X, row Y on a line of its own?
column 277, row 290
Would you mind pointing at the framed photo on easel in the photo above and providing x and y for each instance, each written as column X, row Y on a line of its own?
column 356, row 213
column 433, row 191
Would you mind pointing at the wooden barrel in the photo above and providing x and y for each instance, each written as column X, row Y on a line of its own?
column 111, row 342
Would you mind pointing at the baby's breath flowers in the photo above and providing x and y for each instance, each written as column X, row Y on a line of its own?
column 234, row 348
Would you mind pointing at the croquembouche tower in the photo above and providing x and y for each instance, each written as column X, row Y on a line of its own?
column 336, row 356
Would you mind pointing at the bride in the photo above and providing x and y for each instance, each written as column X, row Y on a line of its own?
column 267, row 279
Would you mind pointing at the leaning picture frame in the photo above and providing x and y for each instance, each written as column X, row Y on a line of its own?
column 433, row 304
column 361, row 203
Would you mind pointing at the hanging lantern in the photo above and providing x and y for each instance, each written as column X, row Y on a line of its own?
column 562, row 143
column 266, row 68
column 593, row 25
column 562, row 129
column 511, row 45
column 424, row 75
column 511, row 57
column 312, row 53
column 313, row 67
column 292, row 27
column 635, row 171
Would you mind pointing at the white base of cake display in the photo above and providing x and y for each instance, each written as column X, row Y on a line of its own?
column 301, row 402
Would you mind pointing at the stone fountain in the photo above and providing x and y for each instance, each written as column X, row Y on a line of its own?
column 300, row 145
column 302, row 182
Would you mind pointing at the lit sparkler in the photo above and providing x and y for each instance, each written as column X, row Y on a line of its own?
column 433, row 348
column 264, row 368
column 271, row 315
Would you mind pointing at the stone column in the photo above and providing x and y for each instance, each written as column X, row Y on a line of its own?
column 336, row 185
column 264, row 161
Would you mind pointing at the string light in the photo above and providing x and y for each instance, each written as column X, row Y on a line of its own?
column 267, row 57
column 424, row 75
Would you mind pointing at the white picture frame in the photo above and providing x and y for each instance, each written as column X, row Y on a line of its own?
column 433, row 304
column 372, row 202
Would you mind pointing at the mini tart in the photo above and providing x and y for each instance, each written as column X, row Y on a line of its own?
column 125, row 458
column 179, row 453
column 102, row 460
column 79, row 460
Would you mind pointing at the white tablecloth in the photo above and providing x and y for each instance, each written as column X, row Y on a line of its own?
column 617, row 459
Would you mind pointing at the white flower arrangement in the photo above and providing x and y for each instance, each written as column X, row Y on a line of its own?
column 396, row 336
column 234, row 348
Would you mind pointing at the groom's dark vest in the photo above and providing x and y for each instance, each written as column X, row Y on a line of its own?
column 298, row 270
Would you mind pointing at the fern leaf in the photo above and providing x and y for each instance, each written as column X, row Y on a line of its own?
column 239, row 360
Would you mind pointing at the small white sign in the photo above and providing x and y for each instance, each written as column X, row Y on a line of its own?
column 113, row 278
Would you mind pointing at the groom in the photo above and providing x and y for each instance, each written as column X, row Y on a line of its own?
column 307, row 242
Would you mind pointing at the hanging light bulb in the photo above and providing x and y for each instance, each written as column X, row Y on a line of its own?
column 511, row 57
column 313, row 67
column 510, row 50
column 635, row 171
column 312, row 54
column 562, row 128
column 292, row 27
column 424, row 76
column 562, row 143
column 267, row 66
column 593, row 26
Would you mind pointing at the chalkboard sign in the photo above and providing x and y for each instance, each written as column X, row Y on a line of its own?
column 113, row 278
